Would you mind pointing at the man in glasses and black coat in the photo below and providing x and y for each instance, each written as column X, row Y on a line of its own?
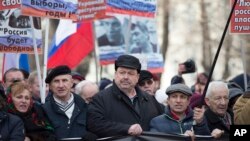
column 147, row 84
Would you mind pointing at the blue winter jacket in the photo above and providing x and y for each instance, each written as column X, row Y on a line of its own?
column 166, row 124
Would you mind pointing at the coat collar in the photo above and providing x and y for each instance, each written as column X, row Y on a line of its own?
column 212, row 117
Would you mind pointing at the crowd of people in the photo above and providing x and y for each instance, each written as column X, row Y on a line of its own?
column 79, row 109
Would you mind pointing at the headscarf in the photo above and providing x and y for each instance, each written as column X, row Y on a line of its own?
column 34, row 114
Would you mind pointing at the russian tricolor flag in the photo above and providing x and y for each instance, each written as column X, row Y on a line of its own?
column 15, row 60
column 72, row 42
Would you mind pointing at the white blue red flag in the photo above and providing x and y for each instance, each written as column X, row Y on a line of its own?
column 15, row 60
column 72, row 42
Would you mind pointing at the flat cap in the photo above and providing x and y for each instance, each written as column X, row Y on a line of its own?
column 145, row 75
column 59, row 70
column 128, row 61
column 179, row 88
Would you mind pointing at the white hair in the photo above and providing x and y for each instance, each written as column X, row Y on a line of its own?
column 215, row 85
column 83, row 83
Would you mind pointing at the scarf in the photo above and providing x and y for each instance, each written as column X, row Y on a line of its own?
column 34, row 115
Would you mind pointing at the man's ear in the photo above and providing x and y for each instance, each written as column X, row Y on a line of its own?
column 207, row 101
column 167, row 100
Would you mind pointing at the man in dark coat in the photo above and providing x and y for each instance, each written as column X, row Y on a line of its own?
column 66, row 110
column 147, row 84
column 122, row 108
column 217, row 114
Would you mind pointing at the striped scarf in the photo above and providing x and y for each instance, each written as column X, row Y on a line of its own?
column 66, row 106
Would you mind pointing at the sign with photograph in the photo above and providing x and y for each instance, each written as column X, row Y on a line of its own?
column 16, row 32
column 110, row 35
column 124, row 34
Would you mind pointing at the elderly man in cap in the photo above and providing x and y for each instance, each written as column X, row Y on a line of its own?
column 66, row 110
column 122, row 109
column 179, row 117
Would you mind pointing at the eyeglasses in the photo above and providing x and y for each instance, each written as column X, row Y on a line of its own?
column 15, row 80
column 143, row 83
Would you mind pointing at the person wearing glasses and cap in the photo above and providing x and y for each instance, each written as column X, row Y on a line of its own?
column 179, row 117
column 122, row 109
column 147, row 84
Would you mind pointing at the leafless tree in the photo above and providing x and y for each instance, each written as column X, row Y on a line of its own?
column 206, row 41
column 165, row 7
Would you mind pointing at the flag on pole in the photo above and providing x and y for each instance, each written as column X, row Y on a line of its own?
column 15, row 60
column 72, row 42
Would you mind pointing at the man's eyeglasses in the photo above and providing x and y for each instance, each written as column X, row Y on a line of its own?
column 15, row 80
column 143, row 83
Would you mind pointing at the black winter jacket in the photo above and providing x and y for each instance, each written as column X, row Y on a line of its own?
column 11, row 127
column 214, row 121
column 75, row 127
column 167, row 124
column 112, row 113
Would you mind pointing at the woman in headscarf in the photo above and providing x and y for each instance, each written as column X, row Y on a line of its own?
column 11, row 126
column 20, row 103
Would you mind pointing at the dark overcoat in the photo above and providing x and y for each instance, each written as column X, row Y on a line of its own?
column 112, row 113
column 75, row 127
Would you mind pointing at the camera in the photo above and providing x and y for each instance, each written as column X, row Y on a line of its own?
column 189, row 66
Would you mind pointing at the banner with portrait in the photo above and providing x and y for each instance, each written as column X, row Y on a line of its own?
column 125, row 34
column 57, row 9
column 16, row 32
column 143, row 43
column 110, row 34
